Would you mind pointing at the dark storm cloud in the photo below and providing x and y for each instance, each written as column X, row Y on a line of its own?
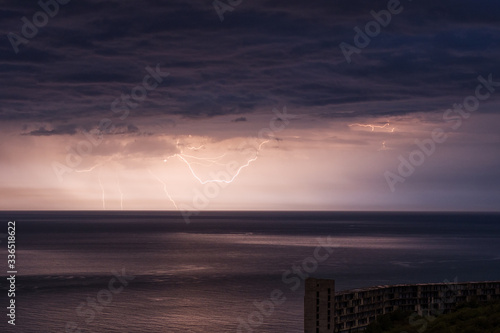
column 239, row 119
column 59, row 130
column 72, row 129
column 264, row 53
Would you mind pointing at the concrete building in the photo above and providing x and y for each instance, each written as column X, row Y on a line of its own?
column 319, row 306
column 352, row 310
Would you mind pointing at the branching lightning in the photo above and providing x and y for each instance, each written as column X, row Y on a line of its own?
column 164, row 188
column 214, row 160
column 207, row 161
column 210, row 161
column 190, row 161
column 386, row 125
column 196, row 148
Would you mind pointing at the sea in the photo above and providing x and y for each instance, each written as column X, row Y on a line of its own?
column 119, row 271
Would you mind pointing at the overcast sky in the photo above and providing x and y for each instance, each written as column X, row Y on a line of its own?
column 250, row 104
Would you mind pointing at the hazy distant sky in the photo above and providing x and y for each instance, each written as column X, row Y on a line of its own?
column 213, row 114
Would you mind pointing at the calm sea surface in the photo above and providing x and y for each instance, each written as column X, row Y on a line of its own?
column 209, row 276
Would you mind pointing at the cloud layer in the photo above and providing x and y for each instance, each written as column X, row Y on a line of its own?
column 263, row 53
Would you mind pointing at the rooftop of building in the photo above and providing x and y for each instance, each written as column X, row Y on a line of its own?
column 348, row 291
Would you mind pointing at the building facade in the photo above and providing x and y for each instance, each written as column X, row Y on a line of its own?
column 319, row 306
column 352, row 310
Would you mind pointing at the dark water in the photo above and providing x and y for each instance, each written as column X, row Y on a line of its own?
column 209, row 275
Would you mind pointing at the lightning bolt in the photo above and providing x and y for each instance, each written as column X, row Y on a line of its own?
column 102, row 190
column 164, row 189
column 372, row 126
column 211, row 160
column 182, row 157
column 99, row 180
column 196, row 148
column 101, row 185
column 88, row 170
column 95, row 166
column 121, row 193
column 189, row 161
column 386, row 125
column 185, row 158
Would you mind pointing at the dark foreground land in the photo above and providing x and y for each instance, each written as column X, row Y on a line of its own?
column 467, row 318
